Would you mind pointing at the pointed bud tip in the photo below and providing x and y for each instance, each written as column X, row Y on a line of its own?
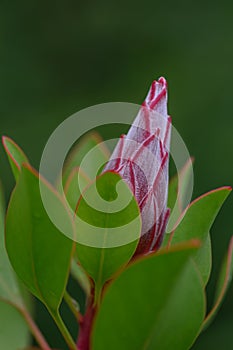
column 157, row 94
column 162, row 81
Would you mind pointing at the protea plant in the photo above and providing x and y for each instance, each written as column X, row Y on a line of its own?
column 146, row 294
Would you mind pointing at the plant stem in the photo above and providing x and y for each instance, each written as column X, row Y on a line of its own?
column 86, row 324
column 64, row 331
column 35, row 330
column 74, row 306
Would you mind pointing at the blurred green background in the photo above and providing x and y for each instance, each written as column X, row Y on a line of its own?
column 59, row 57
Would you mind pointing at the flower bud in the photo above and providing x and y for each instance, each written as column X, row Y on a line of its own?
column 141, row 158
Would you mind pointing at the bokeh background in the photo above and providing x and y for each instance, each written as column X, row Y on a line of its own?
column 57, row 57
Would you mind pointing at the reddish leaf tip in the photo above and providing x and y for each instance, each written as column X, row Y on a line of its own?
column 5, row 139
column 4, row 142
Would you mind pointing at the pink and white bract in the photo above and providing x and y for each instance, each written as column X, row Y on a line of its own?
column 141, row 158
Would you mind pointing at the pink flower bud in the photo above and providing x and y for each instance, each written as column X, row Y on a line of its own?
column 141, row 158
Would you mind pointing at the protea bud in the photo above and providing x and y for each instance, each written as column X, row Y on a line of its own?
column 141, row 158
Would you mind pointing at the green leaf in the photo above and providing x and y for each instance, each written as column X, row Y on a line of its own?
column 39, row 253
column 88, row 146
column 108, row 234
column 196, row 223
column 203, row 259
column 200, row 215
column 33, row 224
column 9, row 289
column 15, row 155
column 14, row 333
column 10, row 296
column 224, row 280
column 156, row 303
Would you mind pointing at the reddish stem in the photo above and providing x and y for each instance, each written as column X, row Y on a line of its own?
column 85, row 325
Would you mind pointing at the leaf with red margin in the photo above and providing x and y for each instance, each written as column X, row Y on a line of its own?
column 149, row 305
column 15, row 155
column 199, row 216
column 224, row 280
column 39, row 253
column 196, row 223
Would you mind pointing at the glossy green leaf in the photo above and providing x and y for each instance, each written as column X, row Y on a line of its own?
column 10, row 299
column 156, row 303
column 15, row 155
column 224, row 280
column 108, row 227
column 97, row 155
column 39, row 253
column 197, row 222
